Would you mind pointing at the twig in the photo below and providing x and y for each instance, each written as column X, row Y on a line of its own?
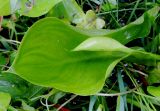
column 74, row 96
column 117, row 94
column 44, row 104
column 47, row 106
column 142, row 73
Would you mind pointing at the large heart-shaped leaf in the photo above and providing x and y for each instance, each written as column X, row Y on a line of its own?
column 48, row 57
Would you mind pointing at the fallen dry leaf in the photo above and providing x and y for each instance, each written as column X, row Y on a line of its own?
column 1, row 19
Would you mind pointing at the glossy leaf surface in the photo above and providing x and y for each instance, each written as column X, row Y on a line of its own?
column 54, row 59
column 110, row 45
column 52, row 54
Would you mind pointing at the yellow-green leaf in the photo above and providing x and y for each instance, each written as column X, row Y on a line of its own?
column 4, row 7
column 52, row 54
column 155, row 91
column 4, row 101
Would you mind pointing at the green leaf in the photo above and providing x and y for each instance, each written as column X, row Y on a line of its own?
column 5, row 99
column 12, row 84
column 3, row 60
column 153, row 46
column 68, row 9
column 36, row 8
column 101, row 44
column 34, row 91
column 4, row 7
column 31, row 8
column 155, row 91
column 52, row 63
column 18, row 87
column 129, row 32
column 100, row 108
column 154, row 75
column 11, row 108
column 113, row 47
column 5, row 43
column 57, row 96
column 111, row 4
column 62, row 58
column 26, row 107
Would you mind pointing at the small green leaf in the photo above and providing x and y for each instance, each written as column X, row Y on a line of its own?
column 11, row 108
column 112, row 46
column 155, row 91
column 109, row 5
column 27, row 107
column 101, row 44
column 3, row 60
column 31, row 8
column 57, row 96
column 154, row 75
column 35, row 8
column 100, row 108
column 68, row 9
column 129, row 32
column 12, row 84
column 5, row 99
